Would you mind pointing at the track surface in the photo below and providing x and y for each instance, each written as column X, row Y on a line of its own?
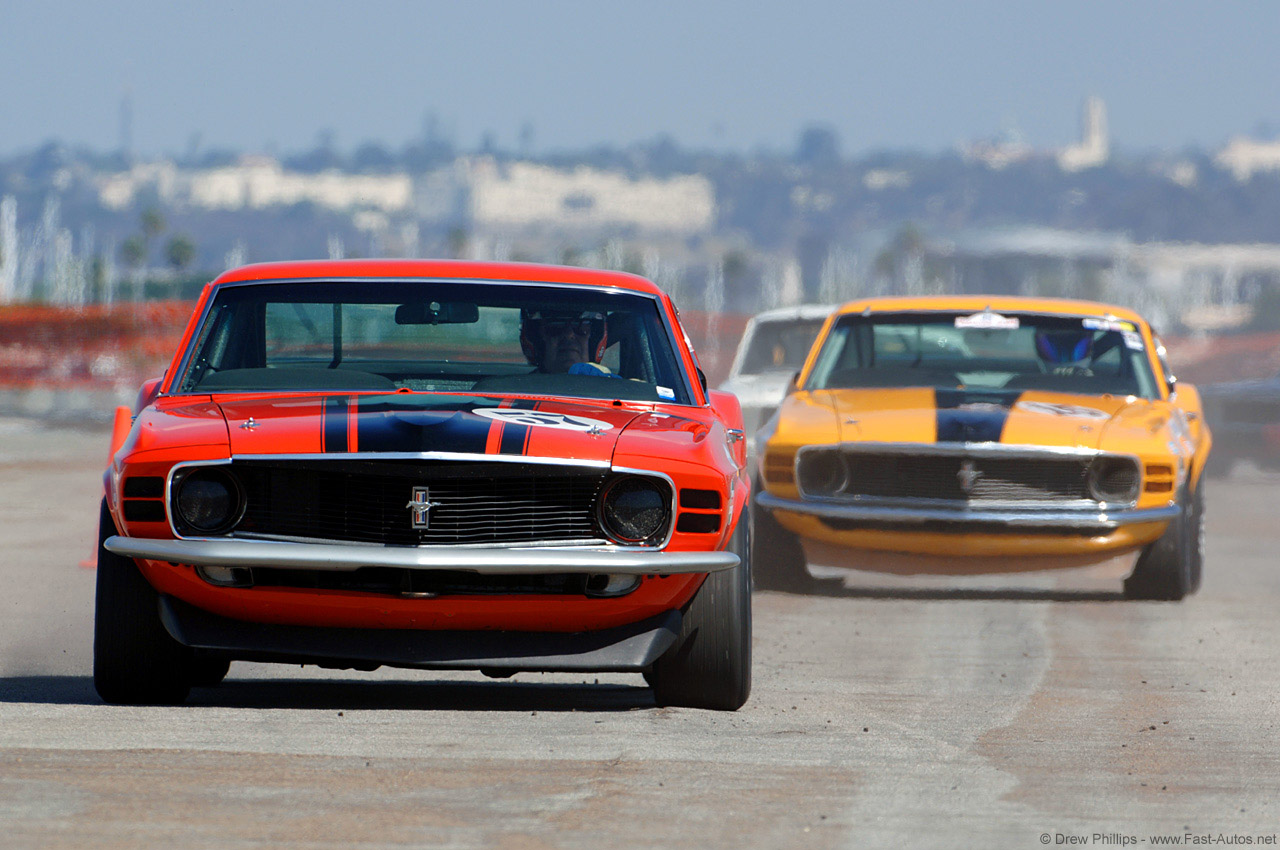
column 885, row 713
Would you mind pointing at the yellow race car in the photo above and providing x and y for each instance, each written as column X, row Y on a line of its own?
column 961, row 435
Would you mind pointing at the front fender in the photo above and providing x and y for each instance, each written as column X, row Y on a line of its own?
column 729, row 409
column 1187, row 399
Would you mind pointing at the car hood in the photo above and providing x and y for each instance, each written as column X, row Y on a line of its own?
column 925, row 415
column 408, row 423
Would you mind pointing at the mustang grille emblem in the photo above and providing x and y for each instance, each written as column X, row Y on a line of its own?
column 968, row 476
column 421, row 506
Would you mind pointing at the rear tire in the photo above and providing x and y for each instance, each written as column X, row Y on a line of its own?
column 1169, row 568
column 135, row 660
column 709, row 665
column 777, row 560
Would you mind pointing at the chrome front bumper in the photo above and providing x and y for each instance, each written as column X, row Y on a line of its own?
column 338, row 557
column 1029, row 520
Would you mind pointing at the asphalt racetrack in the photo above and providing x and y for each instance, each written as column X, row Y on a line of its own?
column 1021, row 712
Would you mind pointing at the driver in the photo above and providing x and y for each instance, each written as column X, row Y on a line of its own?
column 564, row 341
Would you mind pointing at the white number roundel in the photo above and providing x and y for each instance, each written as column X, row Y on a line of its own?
column 539, row 419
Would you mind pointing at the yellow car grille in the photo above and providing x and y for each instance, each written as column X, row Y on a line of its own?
column 869, row 476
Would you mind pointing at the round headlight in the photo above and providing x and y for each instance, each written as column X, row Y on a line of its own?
column 635, row 509
column 822, row 472
column 1114, row 480
column 208, row 501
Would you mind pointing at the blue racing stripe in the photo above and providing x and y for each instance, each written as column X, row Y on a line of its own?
column 515, row 437
column 967, row 416
column 394, row 427
column 335, row 424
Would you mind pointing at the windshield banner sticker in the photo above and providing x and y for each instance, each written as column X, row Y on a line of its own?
column 987, row 320
column 1108, row 325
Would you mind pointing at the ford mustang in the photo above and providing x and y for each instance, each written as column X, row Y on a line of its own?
column 959, row 435
column 774, row 345
column 435, row 465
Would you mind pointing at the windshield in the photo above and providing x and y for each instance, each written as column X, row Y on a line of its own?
column 779, row 346
column 429, row 336
column 986, row 351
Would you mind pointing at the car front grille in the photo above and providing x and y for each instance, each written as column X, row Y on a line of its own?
column 870, row 476
column 475, row 503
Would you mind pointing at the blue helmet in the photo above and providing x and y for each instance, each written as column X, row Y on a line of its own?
column 1065, row 346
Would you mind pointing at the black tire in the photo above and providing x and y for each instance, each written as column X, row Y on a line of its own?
column 709, row 665
column 208, row 671
column 135, row 660
column 777, row 559
column 1197, row 536
column 1168, row 568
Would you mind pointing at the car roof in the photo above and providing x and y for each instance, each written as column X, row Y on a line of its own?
column 327, row 270
column 997, row 303
column 800, row 311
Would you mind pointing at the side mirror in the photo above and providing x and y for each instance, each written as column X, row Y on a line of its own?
column 793, row 384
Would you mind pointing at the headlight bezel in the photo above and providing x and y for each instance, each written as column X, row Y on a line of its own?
column 662, row 528
column 1107, row 493
column 185, row 477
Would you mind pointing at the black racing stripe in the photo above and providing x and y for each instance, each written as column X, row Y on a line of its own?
column 515, row 437
column 391, row 427
column 335, row 424
column 965, row 416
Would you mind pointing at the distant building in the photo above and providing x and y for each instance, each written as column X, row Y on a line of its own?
column 475, row 192
column 1244, row 157
column 255, row 183
column 483, row 194
column 1093, row 149
column 1095, row 144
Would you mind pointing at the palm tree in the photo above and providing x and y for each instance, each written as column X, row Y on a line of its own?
column 180, row 252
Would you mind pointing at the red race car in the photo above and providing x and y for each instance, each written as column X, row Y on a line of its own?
column 428, row 464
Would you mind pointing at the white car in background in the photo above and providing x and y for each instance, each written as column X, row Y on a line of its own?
column 773, row 348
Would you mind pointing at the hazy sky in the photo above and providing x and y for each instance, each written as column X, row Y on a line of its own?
column 926, row 75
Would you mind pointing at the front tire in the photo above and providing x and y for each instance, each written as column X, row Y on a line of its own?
column 1197, row 536
column 777, row 558
column 1169, row 569
column 709, row 665
column 135, row 660
column 208, row 671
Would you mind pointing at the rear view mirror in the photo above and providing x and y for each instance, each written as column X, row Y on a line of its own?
column 438, row 313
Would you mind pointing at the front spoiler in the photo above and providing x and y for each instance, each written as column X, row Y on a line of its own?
column 628, row 648
column 339, row 557
column 962, row 518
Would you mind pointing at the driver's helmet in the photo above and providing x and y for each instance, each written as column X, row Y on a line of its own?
column 1064, row 347
column 532, row 323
